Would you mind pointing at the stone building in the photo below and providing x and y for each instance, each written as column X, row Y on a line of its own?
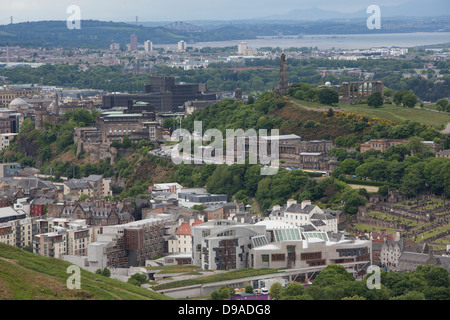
column 312, row 155
column 96, row 213
column 137, row 122
column 360, row 89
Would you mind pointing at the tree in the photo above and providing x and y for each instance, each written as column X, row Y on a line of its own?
column 409, row 100
column 292, row 290
column 221, row 294
column 442, row 104
column 332, row 275
column 375, row 100
column 137, row 279
column 275, row 290
column 126, row 142
column 398, row 97
column 328, row 96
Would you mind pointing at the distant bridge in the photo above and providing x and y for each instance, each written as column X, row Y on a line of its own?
column 183, row 26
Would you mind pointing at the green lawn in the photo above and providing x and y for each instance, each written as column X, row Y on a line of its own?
column 390, row 112
column 28, row 276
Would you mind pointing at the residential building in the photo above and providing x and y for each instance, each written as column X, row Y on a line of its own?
column 57, row 237
column 114, row 46
column 38, row 206
column 148, row 46
column 181, row 45
column 443, row 154
column 131, row 244
column 9, row 170
column 182, row 240
column 305, row 214
column 133, row 43
column 51, row 244
column 6, row 139
column 18, row 233
column 94, row 186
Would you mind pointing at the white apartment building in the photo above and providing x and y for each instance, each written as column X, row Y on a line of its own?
column 148, row 46
column 305, row 214
column 182, row 45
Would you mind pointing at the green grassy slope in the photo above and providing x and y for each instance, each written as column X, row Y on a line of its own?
column 27, row 276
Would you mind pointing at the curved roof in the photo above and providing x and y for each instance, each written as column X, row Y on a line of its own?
column 18, row 102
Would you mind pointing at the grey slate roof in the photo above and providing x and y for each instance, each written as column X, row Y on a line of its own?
column 297, row 208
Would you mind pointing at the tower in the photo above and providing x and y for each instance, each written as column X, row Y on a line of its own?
column 133, row 42
column 56, row 104
column 283, row 74
column 39, row 117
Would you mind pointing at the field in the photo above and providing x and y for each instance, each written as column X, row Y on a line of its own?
column 27, row 276
column 427, row 116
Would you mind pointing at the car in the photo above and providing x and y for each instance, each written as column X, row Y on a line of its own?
column 264, row 291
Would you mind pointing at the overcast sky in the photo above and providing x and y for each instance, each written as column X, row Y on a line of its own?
column 171, row 10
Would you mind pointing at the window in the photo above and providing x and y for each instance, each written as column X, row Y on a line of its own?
column 311, row 255
column 278, row 257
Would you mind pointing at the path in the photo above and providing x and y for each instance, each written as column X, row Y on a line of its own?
column 447, row 129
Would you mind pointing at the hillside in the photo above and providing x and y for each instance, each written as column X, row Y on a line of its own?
column 27, row 276
column 100, row 34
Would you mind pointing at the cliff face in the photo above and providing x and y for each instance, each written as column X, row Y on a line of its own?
column 28, row 147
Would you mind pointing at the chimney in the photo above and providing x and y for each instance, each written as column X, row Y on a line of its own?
column 306, row 203
column 290, row 202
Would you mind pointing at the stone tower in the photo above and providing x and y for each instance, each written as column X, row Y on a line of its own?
column 283, row 74
column 39, row 117
column 56, row 109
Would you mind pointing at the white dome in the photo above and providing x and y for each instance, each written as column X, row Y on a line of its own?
column 18, row 102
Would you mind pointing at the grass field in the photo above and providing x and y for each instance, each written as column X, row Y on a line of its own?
column 391, row 112
column 27, row 276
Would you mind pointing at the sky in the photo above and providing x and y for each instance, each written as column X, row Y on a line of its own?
column 171, row 10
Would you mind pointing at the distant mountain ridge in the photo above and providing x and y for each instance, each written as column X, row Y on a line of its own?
column 100, row 34
column 415, row 8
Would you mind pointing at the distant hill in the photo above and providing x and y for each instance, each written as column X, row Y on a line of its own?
column 415, row 8
column 100, row 34
column 27, row 276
